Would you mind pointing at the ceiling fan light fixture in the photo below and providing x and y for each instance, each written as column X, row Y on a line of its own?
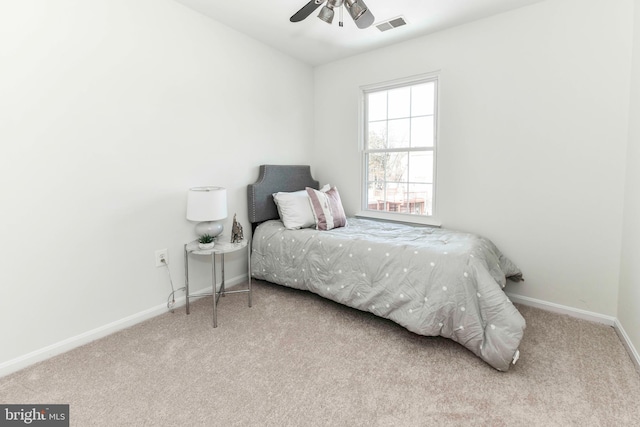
column 326, row 13
column 356, row 8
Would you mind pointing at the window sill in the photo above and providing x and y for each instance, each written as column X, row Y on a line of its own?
column 403, row 218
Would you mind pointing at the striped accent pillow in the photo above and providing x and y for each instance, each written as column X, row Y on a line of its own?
column 327, row 208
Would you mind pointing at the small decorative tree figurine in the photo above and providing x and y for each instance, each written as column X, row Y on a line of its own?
column 206, row 242
column 237, row 234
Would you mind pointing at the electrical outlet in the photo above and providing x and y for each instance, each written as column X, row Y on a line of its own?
column 162, row 254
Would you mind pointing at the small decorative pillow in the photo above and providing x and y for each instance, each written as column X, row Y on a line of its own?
column 327, row 208
column 294, row 209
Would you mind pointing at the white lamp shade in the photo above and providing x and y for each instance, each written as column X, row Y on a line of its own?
column 207, row 204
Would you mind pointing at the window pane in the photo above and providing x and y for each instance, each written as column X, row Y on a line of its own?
column 397, row 167
column 420, row 199
column 375, row 196
column 377, row 106
column 421, row 167
column 399, row 131
column 395, row 196
column 376, row 169
column 377, row 137
column 422, row 131
column 399, row 103
column 423, row 99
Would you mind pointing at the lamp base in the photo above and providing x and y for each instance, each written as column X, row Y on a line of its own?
column 212, row 228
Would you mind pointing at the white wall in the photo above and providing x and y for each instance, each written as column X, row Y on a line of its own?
column 533, row 131
column 629, row 298
column 109, row 111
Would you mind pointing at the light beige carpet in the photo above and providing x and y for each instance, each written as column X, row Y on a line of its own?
column 295, row 359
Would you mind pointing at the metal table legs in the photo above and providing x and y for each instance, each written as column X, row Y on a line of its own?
column 215, row 293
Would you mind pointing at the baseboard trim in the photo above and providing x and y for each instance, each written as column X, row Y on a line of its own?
column 585, row 315
column 63, row 346
column 562, row 309
column 626, row 341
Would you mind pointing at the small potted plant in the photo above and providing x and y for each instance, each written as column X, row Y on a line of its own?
column 206, row 242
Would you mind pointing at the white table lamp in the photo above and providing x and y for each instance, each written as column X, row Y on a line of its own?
column 208, row 205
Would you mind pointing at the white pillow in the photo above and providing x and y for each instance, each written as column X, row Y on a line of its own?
column 295, row 210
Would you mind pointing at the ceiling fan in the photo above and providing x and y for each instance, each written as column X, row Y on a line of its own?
column 358, row 10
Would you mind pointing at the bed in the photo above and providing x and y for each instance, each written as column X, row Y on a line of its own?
column 432, row 281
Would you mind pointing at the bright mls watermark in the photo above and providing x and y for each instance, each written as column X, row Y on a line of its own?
column 34, row 415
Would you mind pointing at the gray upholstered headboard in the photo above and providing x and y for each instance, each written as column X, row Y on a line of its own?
column 274, row 178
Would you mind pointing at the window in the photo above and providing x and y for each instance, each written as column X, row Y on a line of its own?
column 399, row 150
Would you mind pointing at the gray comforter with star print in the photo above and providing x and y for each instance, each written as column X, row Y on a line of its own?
column 430, row 280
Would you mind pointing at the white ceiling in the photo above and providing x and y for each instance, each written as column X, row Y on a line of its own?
column 315, row 42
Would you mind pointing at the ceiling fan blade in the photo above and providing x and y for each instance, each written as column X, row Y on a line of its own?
column 306, row 10
column 365, row 20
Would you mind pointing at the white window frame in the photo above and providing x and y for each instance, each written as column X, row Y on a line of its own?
column 363, row 131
